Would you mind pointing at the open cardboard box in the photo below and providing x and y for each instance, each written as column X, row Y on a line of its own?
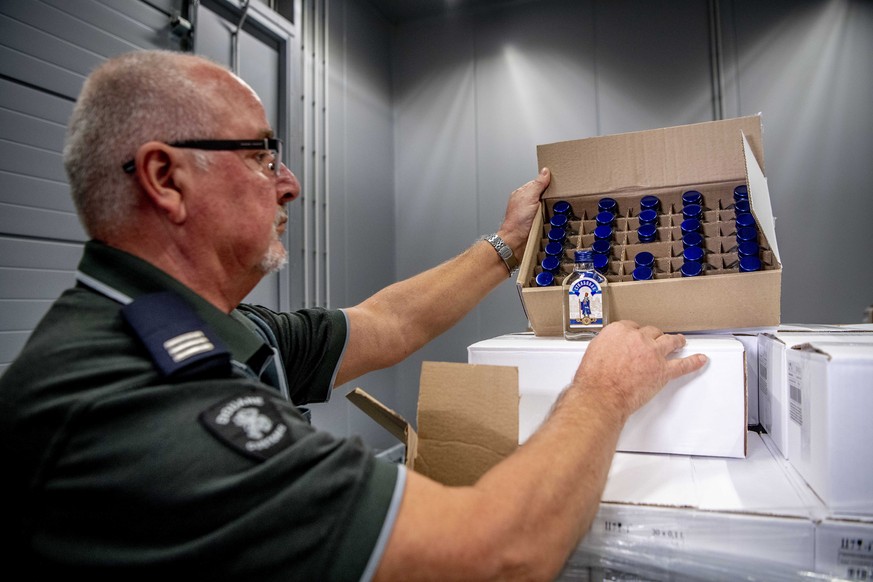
column 712, row 158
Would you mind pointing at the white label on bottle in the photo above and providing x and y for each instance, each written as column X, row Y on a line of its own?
column 586, row 304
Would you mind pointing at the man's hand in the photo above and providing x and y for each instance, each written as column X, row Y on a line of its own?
column 628, row 364
column 523, row 205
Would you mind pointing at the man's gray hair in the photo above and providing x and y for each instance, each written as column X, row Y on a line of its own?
column 126, row 102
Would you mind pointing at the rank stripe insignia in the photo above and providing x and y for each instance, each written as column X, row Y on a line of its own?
column 187, row 345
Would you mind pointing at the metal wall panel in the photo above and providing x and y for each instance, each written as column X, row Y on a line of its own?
column 47, row 48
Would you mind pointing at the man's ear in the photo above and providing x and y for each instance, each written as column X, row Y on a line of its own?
column 158, row 171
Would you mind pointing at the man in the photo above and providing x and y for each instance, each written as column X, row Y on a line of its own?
column 151, row 419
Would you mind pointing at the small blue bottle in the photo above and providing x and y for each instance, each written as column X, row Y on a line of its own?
column 605, row 218
column 647, row 233
column 742, row 207
column 608, row 205
column 745, row 221
column 650, row 203
column 558, row 235
column 551, row 265
column 692, row 239
column 692, row 197
column 644, row 259
column 603, row 232
column 690, row 225
column 642, row 274
column 648, row 216
column 741, row 193
column 694, row 211
column 560, row 221
column 545, row 279
column 747, row 249
column 601, row 247
column 750, row 264
column 691, row 269
column 747, row 234
column 693, row 255
column 601, row 263
column 563, row 207
column 554, row 249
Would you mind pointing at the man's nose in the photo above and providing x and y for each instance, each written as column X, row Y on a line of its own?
column 287, row 185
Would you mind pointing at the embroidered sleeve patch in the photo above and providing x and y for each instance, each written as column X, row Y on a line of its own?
column 249, row 424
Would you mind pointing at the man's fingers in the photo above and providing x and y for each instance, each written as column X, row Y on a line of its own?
column 669, row 343
column 681, row 366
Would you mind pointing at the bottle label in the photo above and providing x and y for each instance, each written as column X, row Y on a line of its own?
column 586, row 303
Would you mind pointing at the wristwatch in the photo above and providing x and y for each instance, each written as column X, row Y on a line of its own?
column 504, row 251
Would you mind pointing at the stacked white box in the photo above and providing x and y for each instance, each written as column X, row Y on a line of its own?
column 700, row 414
column 830, row 402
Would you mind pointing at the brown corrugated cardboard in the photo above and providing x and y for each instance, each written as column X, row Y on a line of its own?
column 710, row 157
column 467, row 420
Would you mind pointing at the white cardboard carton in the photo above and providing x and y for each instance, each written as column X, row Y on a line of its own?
column 773, row 401
column 706, row 518
column 700, row 414
column 844, row 549
column 830, row 385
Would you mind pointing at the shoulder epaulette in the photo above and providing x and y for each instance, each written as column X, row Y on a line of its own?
column 181, row 344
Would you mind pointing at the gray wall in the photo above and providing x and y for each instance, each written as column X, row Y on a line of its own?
column 475, row 91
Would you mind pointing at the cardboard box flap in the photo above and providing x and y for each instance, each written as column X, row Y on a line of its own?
column 759, row 197
column 699, row 154
column 389, row 420
column 467, row 420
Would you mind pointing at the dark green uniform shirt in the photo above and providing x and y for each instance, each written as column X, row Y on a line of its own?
column 119, row 468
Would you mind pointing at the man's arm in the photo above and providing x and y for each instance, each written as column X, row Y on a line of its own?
column 398, row 320
column 525, row 516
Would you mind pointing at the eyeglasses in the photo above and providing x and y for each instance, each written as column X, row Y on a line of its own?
column 271, row 158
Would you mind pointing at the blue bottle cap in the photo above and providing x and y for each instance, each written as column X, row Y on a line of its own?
column 642, row 274
column 605, row 218
column 749, row 264
column 644, row 259
column 582, row 256
column 554, row 249
column 691, row 269
column 601, row 263
column 693, row 254
column 692, row 211
column 545, row 279
column 562, row 207
column 692, row 239
column 603, row 232
column 608, row 205
column 648, row 216
column 692, row 197
column 601, row 247
column 559, row 221
column 747, row 249
column 650, row 203
column 558, row 235
column 551, row 264
column 690, row 225
column 741, row 193
column 745, row 220
column 747, row 234
column 742, row 207
column 647, row 233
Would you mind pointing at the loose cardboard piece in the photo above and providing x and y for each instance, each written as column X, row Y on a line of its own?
column 710, row 157
column 467, row 420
